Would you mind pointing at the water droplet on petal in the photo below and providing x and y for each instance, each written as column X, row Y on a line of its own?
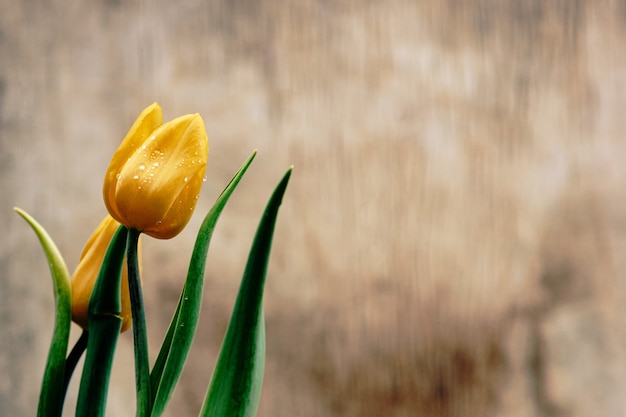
column 204, row 179
column 186, row 179
column 142, row 166
column 136, row 177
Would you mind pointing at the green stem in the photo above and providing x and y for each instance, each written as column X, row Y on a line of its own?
column 72, row 360
column 140, row 334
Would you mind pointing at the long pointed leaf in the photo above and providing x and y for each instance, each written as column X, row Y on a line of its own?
column 175, row 348
column 52, row 392
column 105, row 324
column 235, row 387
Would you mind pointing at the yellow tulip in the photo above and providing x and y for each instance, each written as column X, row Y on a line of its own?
column 154, row 178
column 87, row 270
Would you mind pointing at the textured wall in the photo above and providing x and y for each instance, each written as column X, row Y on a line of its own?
column 454, row 236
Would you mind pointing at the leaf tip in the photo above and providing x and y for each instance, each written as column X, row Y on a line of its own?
column 287, row 174
column 23, row 214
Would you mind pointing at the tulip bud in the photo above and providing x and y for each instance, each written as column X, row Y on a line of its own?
column 154, row 178
column 86, row 274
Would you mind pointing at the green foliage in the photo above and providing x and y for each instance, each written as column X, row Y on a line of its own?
column 235, row 387
column 180, row 334
column 52, row 387
column 105, row 324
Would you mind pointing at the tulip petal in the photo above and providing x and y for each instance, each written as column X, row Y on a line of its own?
column 147, row 122
column 84, row 277
column 187, row 177
column 154, row 188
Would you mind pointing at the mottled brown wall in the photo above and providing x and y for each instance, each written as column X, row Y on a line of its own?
column 453, row 240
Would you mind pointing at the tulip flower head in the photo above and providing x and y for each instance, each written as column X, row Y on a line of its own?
column 86, row 272
column 154, row 178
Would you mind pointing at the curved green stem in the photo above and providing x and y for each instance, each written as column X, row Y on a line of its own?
column 72, row 360
column 140, row 334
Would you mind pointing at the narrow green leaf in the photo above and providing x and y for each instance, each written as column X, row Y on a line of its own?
column 180, row 334
column 52, row 392
column 235, row 387
column 105, row 324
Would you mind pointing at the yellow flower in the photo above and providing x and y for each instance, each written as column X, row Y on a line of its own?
column 154, row 178
column 87, row 270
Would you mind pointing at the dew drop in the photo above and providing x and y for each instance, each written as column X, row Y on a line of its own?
column 142, row 166
column 136, row 177
column 204, row 179
column 118, row 176
column 186, row 179
column 156, row 164
column 156, row 154
column 159, row 222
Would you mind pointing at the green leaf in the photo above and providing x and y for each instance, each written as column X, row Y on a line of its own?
column 175, row 348
column 52, row 392
column 235, row 387
column 105, row 324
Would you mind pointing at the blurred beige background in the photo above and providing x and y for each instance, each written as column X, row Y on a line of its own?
column 452, row 243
